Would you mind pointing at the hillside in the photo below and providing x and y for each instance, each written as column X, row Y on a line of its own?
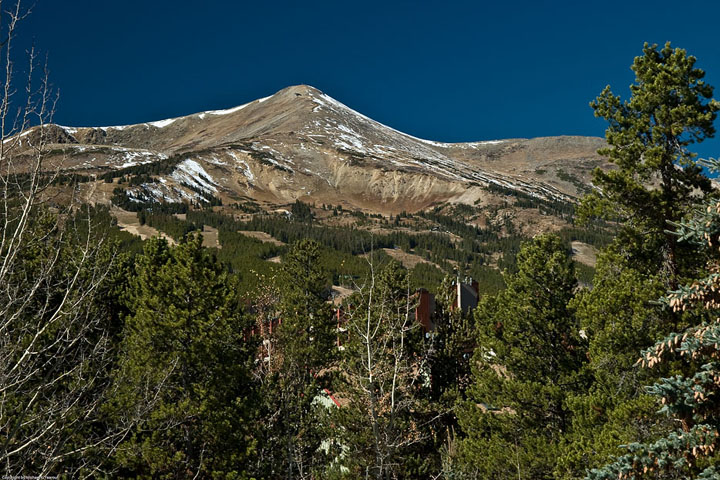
column 299, row 164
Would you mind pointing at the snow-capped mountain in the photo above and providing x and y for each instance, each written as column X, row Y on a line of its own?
column 301, row 143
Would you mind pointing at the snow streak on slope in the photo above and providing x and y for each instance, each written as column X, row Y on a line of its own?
column 192, row 173
column 352, row 132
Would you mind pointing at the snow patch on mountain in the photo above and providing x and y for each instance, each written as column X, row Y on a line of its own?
column 229, row 110
column 242, row 166
column 136, row 157
column 163, row 123
column 192, row 173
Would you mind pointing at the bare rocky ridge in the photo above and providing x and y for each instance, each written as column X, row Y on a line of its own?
column 302, row 144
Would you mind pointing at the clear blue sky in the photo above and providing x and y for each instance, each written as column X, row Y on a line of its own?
column 448, row 71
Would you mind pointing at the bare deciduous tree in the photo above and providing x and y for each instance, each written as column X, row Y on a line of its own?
column 54, row 342
column 384, row 372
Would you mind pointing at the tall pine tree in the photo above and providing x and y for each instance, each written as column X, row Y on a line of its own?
column 183, row 382
column 656, row 181
column 690, row 399
column 529, row 359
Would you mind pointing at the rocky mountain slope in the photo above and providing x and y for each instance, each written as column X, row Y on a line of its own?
column 302, row 144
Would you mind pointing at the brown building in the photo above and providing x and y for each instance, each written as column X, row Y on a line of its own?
column 425, row 310
column 465, row 297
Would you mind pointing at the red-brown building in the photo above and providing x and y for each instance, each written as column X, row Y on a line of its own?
column 425, row 310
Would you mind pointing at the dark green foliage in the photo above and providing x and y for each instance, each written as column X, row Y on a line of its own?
column 690, row 450
column 656, row 180
column 183, row 383
column 207, row 199
column 343, row 245
column 136, row 180
column 656, row 183
column 452, row 344
column 301, row 211
column 70, row 179
column 97, row 222
column 247, row 257
column 168, row 223
column 490, row 280
column 584, row 273
column 529, row 359
column 426, row 275
column 599, row 235
column 160, row 167
column 619, row 319
column 298, row 368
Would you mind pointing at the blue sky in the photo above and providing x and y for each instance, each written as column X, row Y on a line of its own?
column 447, row 71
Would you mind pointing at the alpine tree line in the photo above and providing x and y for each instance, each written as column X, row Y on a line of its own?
column 129, row 359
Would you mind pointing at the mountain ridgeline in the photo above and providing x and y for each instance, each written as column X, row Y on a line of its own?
column 302, row 144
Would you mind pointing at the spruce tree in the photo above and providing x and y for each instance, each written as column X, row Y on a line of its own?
column 690, row 399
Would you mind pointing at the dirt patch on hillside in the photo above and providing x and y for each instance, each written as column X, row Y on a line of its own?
column 262, row 236
column 408, row 260
column 210, row 237
column 584, row 253
column 340, row 293
column 129, row 222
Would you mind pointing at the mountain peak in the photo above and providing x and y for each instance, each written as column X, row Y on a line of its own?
column 301, row 90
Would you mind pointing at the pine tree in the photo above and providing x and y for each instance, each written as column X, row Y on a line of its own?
column 301, row 365
column 183, row 382
column 529, row 359
column 690, row 399
column 452, row 343
column 619, row 316
column 451, row 346
column 656, row 179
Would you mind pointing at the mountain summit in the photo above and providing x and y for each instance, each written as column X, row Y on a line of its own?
column 302, row 144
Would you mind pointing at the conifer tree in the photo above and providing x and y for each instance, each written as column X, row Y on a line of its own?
column 304, row 352
column 452, row 343
column 183, row 382
column 529, row 359
column 656, row 179
column 689, row 399
column 451, row 348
